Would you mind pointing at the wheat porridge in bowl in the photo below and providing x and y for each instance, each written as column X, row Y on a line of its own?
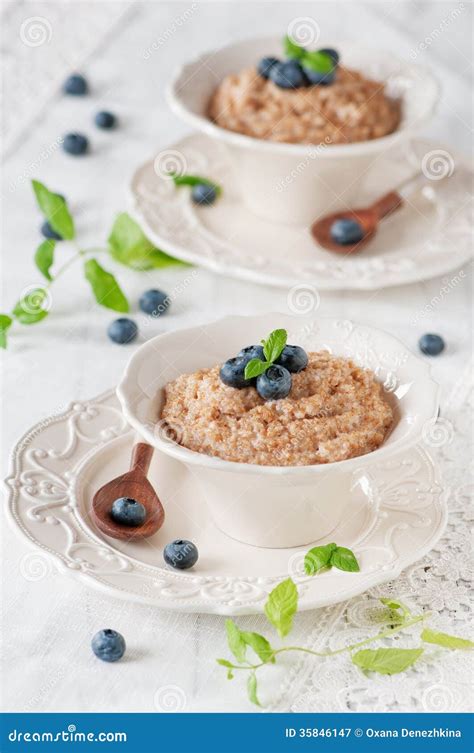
column 308, row 99
column 275, row 405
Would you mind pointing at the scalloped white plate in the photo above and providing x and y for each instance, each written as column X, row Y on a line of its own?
column 428, row 237
column 63, row 460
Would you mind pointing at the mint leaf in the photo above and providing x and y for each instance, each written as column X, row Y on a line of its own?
column 130, row 246
column 252, row 689
column 235, row 641
column 293, row 50
column 281, row 606
column 55, row 210
column 274, row 344
column 320, row 62
column 194, row 180
column 44, row 257
column 5, row 324
column 317, row 558
column 29, row 309
column 344, row 559
column 446, row 640
column 259, row 644
column 255, row 367
column 105, row 287
column 386, row 661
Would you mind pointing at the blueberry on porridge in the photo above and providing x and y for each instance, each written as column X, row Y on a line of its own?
column 318, row 408
column 308, row 98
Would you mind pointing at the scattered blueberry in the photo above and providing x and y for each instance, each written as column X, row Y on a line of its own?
column 431, row 345
column 293, row 358
column 105, row 120
column 122, row 330
column 251, row 351
column 346, row 231
column 128, row 512
column 75, row 85
column 203, row 193
column 48, row 232
column 274, row 383
column 75, row 143
column 265, row 65
column 154, row 302
column 288, row 75
column 315, row 77
column 181, row 554
column 232, row 373
column 108, row 645
column 333, row 54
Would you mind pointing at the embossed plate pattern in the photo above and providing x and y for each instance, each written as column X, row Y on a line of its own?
column 60, row 462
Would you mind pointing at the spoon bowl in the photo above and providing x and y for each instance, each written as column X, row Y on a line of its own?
column 133, row 484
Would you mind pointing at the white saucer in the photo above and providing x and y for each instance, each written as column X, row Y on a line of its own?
column 428, row 237
column 63, row 460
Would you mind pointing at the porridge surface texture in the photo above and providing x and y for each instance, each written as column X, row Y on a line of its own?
column 335, row 410
column 353, row 108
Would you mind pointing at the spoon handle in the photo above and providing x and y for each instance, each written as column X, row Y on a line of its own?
column 387, row 204
column 141, row 457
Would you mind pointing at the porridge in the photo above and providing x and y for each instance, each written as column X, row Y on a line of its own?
column 334, row 410
column 353, row 108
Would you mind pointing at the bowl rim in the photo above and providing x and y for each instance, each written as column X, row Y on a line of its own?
column 204, row 124
column 147, row 431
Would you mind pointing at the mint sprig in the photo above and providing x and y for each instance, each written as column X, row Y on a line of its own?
column 126, row 244
column 194, row 180
column 316, row 60
column 273, row 347
column 280, row 609
column 330, row 555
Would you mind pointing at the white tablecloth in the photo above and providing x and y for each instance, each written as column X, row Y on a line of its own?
column 48, row 623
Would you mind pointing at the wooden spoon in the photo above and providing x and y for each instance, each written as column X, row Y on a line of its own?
column 368, row 217
column 132, row 484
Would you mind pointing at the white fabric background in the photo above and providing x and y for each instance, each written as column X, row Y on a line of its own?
column 47, row 624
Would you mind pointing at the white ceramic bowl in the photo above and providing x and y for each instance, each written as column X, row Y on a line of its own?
column 277, row 506
column 295, row 183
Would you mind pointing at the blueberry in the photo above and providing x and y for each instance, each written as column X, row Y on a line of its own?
column 181, row 554
column 333, row 54
column 232, row 373
column 48, row 232
column 346, row 231
column 316, row 77
column 108, row 645
column 122, row 330
column 128, row 512
column 75, row 85
column 75, row 143
column 105, row 120
column 293, row 358
column 265, row 65
column 251, row 351
column 431, row 345
column 203, row 193
column 154, row 302
column 288, row 75
column 274, row 383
